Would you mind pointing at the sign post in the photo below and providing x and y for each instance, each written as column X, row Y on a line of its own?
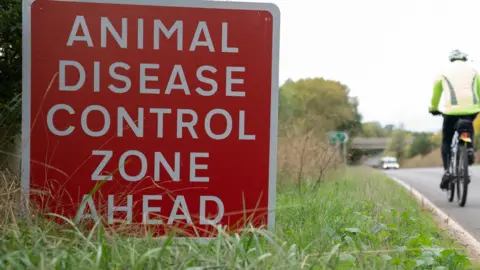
column 340, row 139
column 151, row 112
column 335, row 137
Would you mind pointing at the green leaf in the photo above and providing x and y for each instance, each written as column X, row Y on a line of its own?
column 385, row 257
column 429, row 260
column 347, row 257
column 352, row 230
column 420, row 262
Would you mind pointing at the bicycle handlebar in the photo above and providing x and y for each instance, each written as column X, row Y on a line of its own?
column 436, row 113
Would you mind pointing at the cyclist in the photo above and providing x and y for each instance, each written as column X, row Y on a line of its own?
column 462, row 85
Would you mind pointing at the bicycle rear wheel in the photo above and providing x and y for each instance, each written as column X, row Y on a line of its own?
column 462, row 175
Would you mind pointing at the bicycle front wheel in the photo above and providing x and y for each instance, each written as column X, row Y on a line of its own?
column 462, row 175
column 451, row 184
column 451, row 190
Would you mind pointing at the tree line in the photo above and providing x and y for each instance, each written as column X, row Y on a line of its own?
column 422, row 143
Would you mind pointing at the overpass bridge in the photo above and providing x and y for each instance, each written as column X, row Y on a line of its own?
column 372, row 143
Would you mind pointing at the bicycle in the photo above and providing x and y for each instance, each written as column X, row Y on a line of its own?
column 458, row 160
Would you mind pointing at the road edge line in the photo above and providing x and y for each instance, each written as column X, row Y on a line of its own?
column 460, row 235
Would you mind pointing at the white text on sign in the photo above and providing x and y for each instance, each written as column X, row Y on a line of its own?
column 187, row 121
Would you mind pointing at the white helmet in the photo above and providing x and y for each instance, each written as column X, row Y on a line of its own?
column 457, row 55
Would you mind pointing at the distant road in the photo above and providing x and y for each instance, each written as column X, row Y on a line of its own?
column 427, row 182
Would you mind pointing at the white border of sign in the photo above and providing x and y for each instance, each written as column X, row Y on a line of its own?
column 26, row 82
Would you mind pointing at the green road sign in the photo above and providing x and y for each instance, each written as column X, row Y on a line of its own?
column 337, row 136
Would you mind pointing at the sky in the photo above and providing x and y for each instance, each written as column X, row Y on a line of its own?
column 388, row 52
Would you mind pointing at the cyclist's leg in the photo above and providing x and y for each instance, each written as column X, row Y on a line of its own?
column 448, row 130
column 471, row 148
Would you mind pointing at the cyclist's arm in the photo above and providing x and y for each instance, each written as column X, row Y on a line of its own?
column 437, row 94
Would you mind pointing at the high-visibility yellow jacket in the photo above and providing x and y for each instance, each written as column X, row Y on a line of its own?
column 461, row 83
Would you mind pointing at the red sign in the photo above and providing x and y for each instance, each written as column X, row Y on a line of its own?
column 152, row 113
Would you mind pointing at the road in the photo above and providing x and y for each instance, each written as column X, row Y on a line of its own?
column 427, row 182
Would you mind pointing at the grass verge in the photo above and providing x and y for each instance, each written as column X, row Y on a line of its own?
column 433, row 159
column 356, row 220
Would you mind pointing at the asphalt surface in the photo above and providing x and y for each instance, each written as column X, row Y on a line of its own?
column 427, row 182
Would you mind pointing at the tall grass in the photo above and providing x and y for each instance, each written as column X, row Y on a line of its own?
column 356, row 220
column 303, row 155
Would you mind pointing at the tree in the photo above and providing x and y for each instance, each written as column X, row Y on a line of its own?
column 10, row 64
column 353, row 126
column 308, row 108
column 373, row 129
column 398, row 143
column 436, row 139
column 389, row 129
column 421, row 144
column 322, row 104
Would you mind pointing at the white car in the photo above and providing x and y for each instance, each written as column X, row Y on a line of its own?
column 390, row 165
